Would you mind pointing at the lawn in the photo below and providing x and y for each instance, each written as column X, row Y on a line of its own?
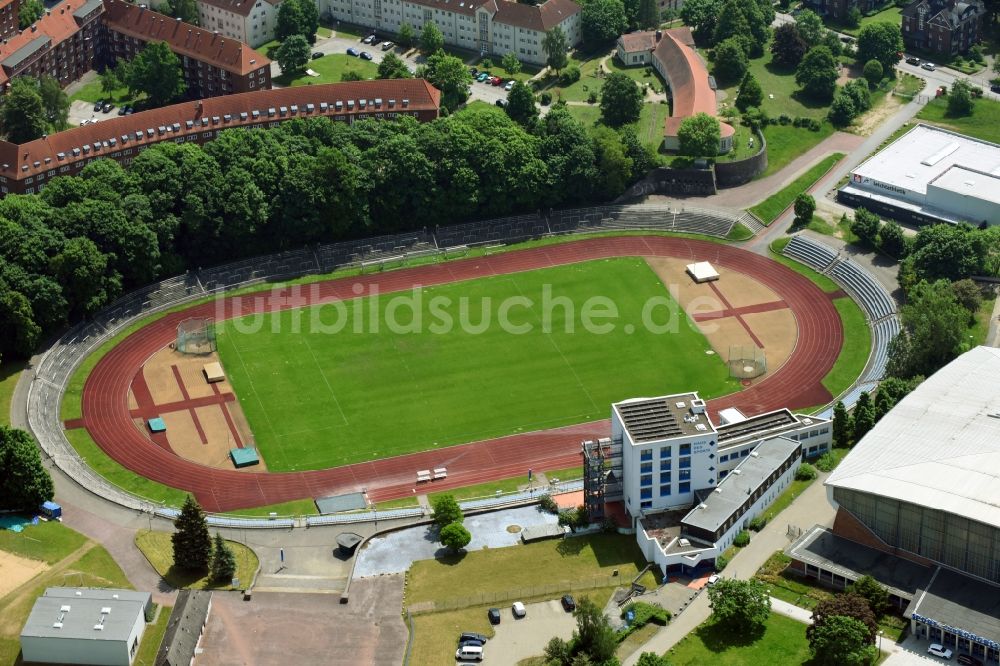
column 47, row 541
column 330, row 69
column 158, row 549
column 649, row 128
column 92, row 92
column 780, row 90
column 890, row 14
column 10, row 371
column 771, row 208
column 977, row 332
column 783, row 642
column 439, row 361
column 984, row 123
column 564, row 565
column 785, row 143
column 434, row 635
column 152, row 638
column 488, row 489
column 641, row 74
column 855, row 350
column 301, row 507
column 568, row 474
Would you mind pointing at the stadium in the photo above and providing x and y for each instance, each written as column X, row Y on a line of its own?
column 287, row 415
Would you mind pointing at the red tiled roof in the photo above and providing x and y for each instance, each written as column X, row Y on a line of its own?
column 541, row 17
column 183, row 38
column 170, row 122
column 58, row 25
column 688, row 78
column 634, row 42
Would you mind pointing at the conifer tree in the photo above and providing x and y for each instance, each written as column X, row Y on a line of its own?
column 192, row 543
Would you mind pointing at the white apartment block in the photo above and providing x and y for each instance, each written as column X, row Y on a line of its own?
column 492, row 27
column 252, row 22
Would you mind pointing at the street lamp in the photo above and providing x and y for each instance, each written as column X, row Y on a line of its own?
column 880, row 633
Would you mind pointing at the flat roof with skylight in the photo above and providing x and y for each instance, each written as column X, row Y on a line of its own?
column 655, row 419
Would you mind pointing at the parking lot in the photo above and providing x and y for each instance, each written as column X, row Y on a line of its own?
column 518, row 639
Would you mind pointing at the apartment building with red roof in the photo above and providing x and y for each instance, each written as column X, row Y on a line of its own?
column 63, row 43
column 250, row 21
column 491, row 27
column 26, row 168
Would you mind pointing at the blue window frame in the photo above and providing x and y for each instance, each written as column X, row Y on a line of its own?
column 685, row 450
column 648, row 504
column 664, row 452
column 646, row 468
column 646, row 454
column 646, row 493
column 665, row 490
column 646, row 480
column 724, row 458
column 684, row 475
column 744, row 453
column 684, row 487
column 664, row 465
column 684, row 462
column 664, row 477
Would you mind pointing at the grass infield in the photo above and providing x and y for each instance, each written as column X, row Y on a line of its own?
column 316, row 399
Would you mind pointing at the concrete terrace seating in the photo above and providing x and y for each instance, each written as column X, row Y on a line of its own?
column 882, row 334
column 363, row 517
column 703, row 221
column 250, row 523
column 505, row 229
column 871, row 296
column 815, row 255
column 750, row 221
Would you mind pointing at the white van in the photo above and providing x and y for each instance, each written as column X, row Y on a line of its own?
column 469, row 653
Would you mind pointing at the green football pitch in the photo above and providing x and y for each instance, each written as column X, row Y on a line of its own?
column 355, row 391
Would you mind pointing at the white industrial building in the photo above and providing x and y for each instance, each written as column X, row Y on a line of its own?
column 930, row 175
column 689, row 486
column 917, row 508
column 86, row 626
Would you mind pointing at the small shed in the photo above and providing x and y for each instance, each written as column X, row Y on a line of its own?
column 348, row 541
column 157, row 425
column 702, row 271
column 213, row 372
column 50, row 510
column 244, row 457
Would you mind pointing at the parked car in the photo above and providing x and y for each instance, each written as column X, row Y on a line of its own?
column 939, row 650
column 496, row 80
column 494, row 615
column 509, row 85
column 474, row 72
column 317, row 55
column 995, row 88
column 129, row 110
column 365, row 55
column 121, row 110
column 387, row 45
column 471, row 637
column 370, row 39
column 518, row 609
column 912, row 61
column 98, row 104
column 482, row 76
column 968, row 660
column 713, row 579
column 502, row 103
column 568, row 603
column 351, row 51
column 929, row 66
column 106, row 108
column 469, row 653
column 84, row 122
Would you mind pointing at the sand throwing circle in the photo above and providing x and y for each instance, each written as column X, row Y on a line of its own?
column 513, row 529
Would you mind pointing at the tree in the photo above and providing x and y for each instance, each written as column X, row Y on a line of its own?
column 594, row 635
column 842, row 110
column 750, row 93
column 185, row 10
column 702, row 16
column 810, row 27
column 297, row 17
column 455, row 536
column 555, row 46
column 865, row 226
column 788, row 47
column 841, row 642
column 393, row 67
column 731, row 22
column 873, row 72
column 881, row 41
column 871, row 591
column 613, row 165
column 843, row 428
column 293, row 54
column 648, row 16
column 449, row 75
column 741, row 605
column 223, row 560
column 651, row 659
column 82, row 270
column 805, row 206
column 521, row 104
column 157, row 72
column 350, row 75
column 22, row 112
column 192, row 543
column 864, row 416
column 968, row 295
column 406, row 36
column 431, row 39
column 960, row 99
column 558, row 651
column 854, row 17
column 446, row 511
column 731, row 61
column 891, row 239
column 111, row 77
column 949, row 251
column 30, row 11
column 621, row 100
column 55, row 103
column 933, row 331
column 25, row 483
column 817, row 74
column 844, row 605
column 510, row 63
column 699, row 135
column 601, row 21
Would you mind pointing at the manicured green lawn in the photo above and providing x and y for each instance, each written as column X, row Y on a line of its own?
column 330, row 69
column 641, row 74
column 91, row 92
column 487, row 489
column 782, row 643
column 158, row 549
column 320, row 398
column 780, row 91
column 891, row 14
column 984, row 123
column 47, row 541
column 785, row 143
column 649, row 128
column 152, row 638
column 769, row 209
column 10, row 371
column 854, row 352
column 565, row 564
column 302, row 507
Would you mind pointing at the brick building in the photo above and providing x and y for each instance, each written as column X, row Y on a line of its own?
column 26, row 168
column 944, row 27
column 9, row 18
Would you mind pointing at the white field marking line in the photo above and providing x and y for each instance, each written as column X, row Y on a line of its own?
column 253, row 388
column 305, row 339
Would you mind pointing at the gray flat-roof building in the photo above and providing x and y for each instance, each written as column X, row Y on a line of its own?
column 85, row 626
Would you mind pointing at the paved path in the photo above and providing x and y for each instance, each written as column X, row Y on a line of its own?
column 791, row 610
column 810, row 508
column 993, row 334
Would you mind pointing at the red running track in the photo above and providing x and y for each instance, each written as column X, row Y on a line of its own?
column 106, row 415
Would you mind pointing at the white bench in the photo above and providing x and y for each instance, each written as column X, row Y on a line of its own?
column 423, row 475
column 440, row 473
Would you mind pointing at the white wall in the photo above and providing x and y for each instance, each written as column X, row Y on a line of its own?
column 74, row 651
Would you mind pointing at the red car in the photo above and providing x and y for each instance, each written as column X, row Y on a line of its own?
column 496, row 80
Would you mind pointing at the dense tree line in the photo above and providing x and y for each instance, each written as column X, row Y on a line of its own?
column 82, row 241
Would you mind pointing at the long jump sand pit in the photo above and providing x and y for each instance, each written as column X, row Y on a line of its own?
column 16, row 570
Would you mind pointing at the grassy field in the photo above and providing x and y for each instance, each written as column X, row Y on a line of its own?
column 158, row 549
column 152, row 638
column 780, row 91
column 854, row 352
column 456, row 377
column 564, row 563
column 434, row 634
column 92, row 92
column 891, row 14
column 9, row 373
column 47, row 541
column 649, row 128
column 984, row 123
column 785, row 143
column 771, row 208
column 567, row 474
column 782, row 643
column 302, row 507
column 330, row 69
column 487, row 489
column 981, row 326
